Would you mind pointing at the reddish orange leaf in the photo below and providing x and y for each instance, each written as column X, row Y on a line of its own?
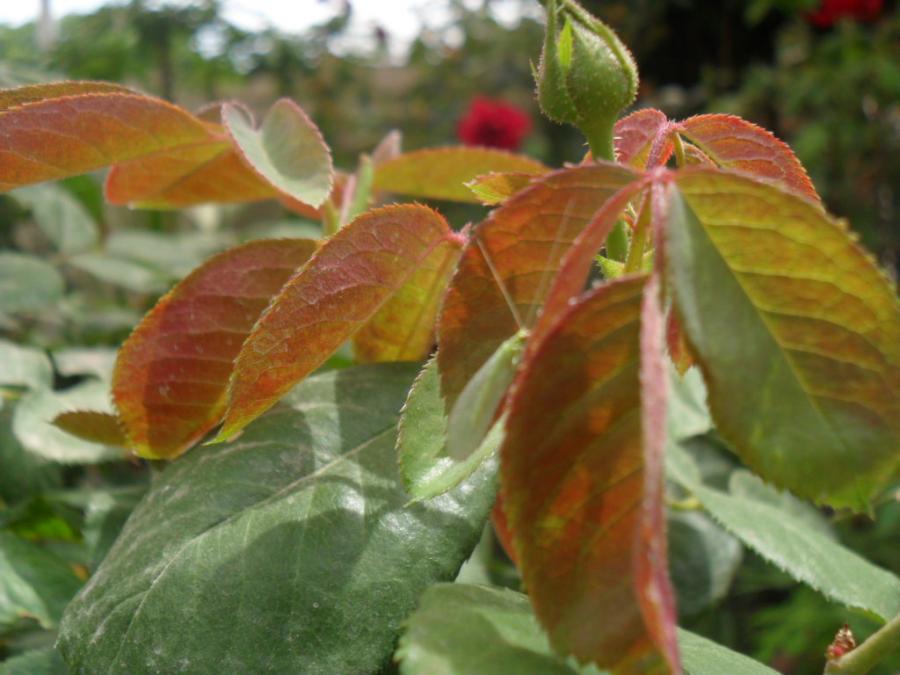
column 56, row 133
column 403, row 329
column 525, row 240
column 195, row 174
column 171, row 375
column 574, row 482
column 10, row 98
column 442, row 173
column 353, row 275
column 495, row 188
column 643, row 139
column 736, row 144
column 93, row 426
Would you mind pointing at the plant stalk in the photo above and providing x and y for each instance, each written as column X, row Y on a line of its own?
column 867, row 655
column 639, row 239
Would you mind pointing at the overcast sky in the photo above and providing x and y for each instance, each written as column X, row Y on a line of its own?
column 402, row 19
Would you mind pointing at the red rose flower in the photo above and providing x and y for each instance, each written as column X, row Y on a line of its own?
column 494, row 124
column 831, row 11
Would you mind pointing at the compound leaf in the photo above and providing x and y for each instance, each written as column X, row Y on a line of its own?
column 352, row 276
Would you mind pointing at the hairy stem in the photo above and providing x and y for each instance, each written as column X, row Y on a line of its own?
column 867, row 655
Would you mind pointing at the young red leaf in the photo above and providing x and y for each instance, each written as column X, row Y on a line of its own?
column 195, row 174
column 403, row 329
column 171, row 375
column 797, row 333
column 346, row 283
column 574, row 481
column 734, row 143
column 93, row 426
column 58, row 130
column 643, row 139
column 524, row 239
column 287, row 151
column 442, row 173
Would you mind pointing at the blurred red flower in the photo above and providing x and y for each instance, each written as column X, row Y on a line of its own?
column 831, row 11
column 494, row 124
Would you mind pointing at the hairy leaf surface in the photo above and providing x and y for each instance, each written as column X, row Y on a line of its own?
column 279, row 547
column 442, row 173
column 573, row 478
column 735, row 143
column 287, row 151
column 788, row 541
column 171, row 376
column 352, row 276
column 524, row 239
column 797, row 333
column 57, row 130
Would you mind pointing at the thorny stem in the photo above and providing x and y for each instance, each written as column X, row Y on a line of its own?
column 867, row 655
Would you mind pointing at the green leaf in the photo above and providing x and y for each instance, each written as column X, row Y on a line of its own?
column 128, row 274
column 426, row 468
column 478, row 403
column 287, row 151
column 287, row 550
column 24, row 366
column 34, row 583
column 703, row 560
column 796, row 331
column 791, row 544
column 687, row 412
column 462, row 629
column 61, row 216
column 23, row 473
column 27, row 284
column 45, row 661
column 746, row 485
column 32, row 424
column 704, row 657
